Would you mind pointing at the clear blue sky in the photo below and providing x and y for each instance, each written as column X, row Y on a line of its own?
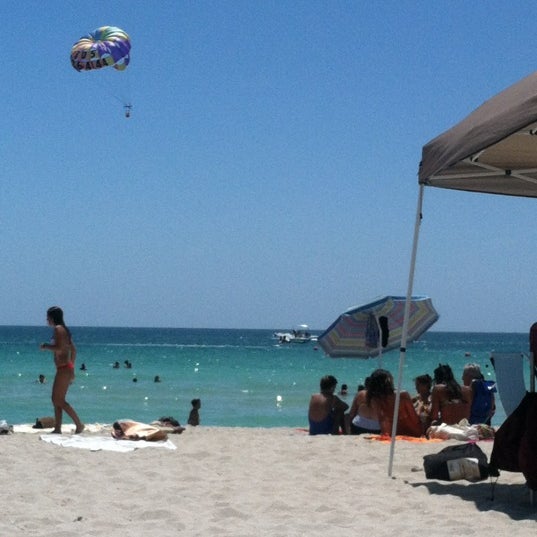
column 268, row 174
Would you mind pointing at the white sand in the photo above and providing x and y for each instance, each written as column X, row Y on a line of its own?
column 248, row 482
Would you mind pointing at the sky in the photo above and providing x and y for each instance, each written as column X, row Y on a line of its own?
column 267, row 176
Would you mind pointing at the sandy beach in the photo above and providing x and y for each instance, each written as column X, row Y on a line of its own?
column 246, row 482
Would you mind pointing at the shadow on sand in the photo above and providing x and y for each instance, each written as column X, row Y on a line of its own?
column 510, row 499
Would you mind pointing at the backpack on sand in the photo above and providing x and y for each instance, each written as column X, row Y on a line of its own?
column 463, row 461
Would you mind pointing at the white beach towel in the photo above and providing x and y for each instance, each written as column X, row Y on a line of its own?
column 105, row 443
column 458, row 431
column 29, row 428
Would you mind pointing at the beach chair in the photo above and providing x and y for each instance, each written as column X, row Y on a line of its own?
column 510, row 383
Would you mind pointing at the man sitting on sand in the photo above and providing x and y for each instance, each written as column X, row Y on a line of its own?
column 326, row 413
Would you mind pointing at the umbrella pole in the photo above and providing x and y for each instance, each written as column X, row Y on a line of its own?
column 402, row 353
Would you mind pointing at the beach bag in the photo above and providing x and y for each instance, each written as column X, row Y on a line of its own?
column 47, row 422
column 463, row 461
column 372, row 332
column 515, row 442
column 5, row 428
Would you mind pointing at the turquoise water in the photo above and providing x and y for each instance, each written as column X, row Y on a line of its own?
column 243, row 377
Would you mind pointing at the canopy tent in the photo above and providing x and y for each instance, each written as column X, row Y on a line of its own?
column 493, row 150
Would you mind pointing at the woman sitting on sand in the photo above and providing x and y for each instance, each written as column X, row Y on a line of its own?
column 362, row 417
column 381, row 397
column 450, row 402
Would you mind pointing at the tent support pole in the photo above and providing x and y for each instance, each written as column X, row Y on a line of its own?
column 402, row 353
column 532, row 390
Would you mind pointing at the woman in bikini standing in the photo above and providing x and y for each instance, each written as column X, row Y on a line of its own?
column 64, row 358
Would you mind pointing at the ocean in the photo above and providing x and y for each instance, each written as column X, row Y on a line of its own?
column 243, row 377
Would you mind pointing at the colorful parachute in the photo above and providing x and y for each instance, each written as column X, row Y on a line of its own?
column 107, row 46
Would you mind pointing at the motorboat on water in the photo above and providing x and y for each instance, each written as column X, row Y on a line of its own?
column 300, row 334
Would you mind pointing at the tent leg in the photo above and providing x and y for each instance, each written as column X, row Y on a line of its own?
column 405, row 326
column 532, row 372
column 532, row 389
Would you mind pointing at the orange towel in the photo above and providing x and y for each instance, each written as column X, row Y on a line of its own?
column 387, row 439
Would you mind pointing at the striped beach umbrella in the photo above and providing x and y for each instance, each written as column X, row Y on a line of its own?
column 371, row 329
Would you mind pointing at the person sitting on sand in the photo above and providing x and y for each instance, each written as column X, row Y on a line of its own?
column 422, row 399
column 362, row 417
column 381, row 397
column 450, row 402
column 326, row 414
column 194, row 416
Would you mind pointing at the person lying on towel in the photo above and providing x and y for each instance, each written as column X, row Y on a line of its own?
column 134, row 430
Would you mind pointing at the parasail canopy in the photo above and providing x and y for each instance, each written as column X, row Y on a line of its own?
column 107, row 46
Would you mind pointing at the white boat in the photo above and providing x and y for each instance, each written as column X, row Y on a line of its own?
column 301, row 334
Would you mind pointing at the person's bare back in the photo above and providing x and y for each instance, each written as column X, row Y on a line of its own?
column 408, row 422
column 62, row 346
column 360, row 407
column 320, row 406
column 326, row 412
column 450, row 411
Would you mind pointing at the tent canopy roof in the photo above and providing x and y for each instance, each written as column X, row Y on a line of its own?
column 492, row 150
